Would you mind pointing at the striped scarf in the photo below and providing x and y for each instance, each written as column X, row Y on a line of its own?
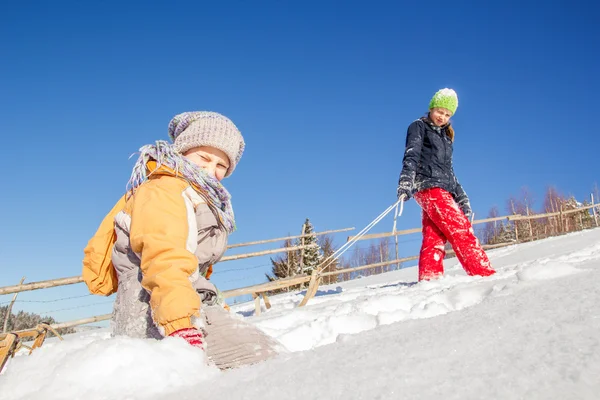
column 213, row 191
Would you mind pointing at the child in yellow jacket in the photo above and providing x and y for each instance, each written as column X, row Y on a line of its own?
column 157, row 246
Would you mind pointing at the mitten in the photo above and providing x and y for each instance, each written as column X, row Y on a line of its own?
column 404, row 188
column 466, row 209
column 191, row 335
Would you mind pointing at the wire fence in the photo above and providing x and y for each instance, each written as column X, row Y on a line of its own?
column 47, row 301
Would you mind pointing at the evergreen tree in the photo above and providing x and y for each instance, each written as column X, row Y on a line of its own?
column 286, row 265
column 24, row 320
column 297, row 262
column 328, row 248
column 311, row 256
column 587, row 217
column 506, row 233
column 577, row 220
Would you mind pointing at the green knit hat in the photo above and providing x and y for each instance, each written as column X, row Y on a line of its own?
column 445, row 98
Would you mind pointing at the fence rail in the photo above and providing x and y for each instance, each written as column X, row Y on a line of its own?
column 553, row 214
column 78, row 279
column 261, row 289
column 233, row 246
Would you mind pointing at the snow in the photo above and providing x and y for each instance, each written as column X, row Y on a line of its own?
column 530, row 331
column 446, row 92
column 82, row 368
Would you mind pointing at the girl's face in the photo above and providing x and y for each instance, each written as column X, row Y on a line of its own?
column 213, row 161
column 440, row 116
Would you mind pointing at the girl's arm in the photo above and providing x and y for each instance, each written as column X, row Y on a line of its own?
column 461, row 198
column 412, row 155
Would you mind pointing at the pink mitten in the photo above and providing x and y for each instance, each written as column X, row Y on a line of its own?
column 191, row 335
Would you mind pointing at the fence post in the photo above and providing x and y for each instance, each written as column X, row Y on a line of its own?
column 302, row 250
column 9, row 309
column 594, row 211
column 560, row 218
column 530, row 227
column 288, row 269
column 256, row 298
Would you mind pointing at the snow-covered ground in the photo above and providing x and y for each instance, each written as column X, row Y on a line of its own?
column 532, row 331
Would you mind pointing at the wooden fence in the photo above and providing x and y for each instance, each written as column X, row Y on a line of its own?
column 78, row 279
column 260, row 291
column 21, row 287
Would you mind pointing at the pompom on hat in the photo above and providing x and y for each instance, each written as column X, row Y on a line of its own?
column 206, row 128
column 445, row 98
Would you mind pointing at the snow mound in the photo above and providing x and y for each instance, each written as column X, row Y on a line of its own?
column 549, row 270
column 354, row 311
column 529, row 331
column 108, row 368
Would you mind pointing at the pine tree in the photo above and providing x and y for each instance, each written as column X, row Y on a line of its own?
column 577, row 220
column 311, row 256
column 24, row 320
column 502, row 232
column 587, row 216
column 506, row 233
column 286, row 265
column 328, row 248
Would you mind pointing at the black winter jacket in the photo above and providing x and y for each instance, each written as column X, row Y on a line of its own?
column 427, row 161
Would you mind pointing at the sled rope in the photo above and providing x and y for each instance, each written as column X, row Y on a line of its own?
column 397, row 213
column 312, row 288
column 337, row 254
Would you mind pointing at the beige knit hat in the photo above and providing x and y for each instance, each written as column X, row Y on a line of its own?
column 206, row 128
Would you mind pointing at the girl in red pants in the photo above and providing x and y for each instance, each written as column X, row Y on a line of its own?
column 428, row 175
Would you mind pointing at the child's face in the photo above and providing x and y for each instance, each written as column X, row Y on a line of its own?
column 440, row 116
column 213, row 161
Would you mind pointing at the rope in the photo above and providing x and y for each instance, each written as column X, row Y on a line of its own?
column 329, row 260
column 398, row 213
column 51, row 329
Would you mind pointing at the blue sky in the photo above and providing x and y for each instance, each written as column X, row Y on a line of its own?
column 322, row 91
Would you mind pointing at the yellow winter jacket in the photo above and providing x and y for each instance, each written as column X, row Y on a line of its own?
column 171, row 231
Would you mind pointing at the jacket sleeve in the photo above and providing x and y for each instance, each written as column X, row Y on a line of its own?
column 98, row 272
column 412, row 154
column 461, row 198
column 159, row 232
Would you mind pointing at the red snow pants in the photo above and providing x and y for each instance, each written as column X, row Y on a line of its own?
column 444, row 221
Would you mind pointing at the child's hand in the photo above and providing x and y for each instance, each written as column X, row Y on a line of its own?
column 404, row 189
column 191, row 335
column 466, row 209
